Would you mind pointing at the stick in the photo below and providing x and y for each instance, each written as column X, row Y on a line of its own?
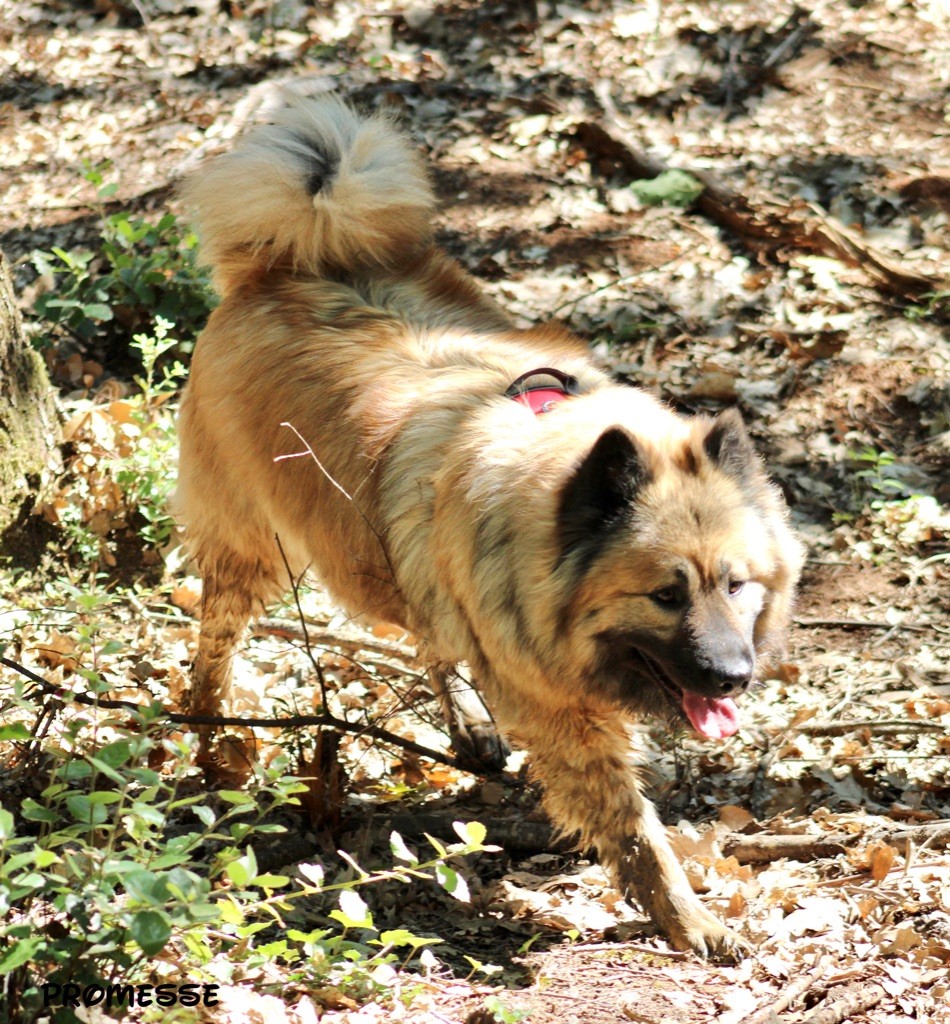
column 279, row 722
column 881, row 726
column 765, row 848
column 846, row 1001
column 794, row 990
column 859, row 624
column 770, row 228
column 328, row 637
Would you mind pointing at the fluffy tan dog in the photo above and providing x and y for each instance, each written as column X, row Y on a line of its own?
column 589, row 554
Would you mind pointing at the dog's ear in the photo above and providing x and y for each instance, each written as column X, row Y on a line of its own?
column 729, row 447
column 600, row 490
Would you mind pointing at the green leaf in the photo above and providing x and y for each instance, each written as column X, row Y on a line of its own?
column 674, row 188
column 145, row 886
column 16, row 732
column 353, row 912
column 115, row 754
column 231, row 912
column 439, row 848
column 313, row 873
column 398, row 846
column 401, row 937
column 243, row 869
column 18, row 860
column 84, row 810
column 453, row 883
column 150, row 930
column 471, row 832
column 33, row 811
column 204, row 814
column 7, row 830
column 270, row 882
column 235, row 796
column 44, row 858
column 97, row 311
column 21, row 953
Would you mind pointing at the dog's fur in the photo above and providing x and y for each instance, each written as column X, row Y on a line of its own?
column 591, row 563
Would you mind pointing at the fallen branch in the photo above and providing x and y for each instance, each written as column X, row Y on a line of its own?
column 324, row 721
column 323, row 637
column 860, row 624
column 882, row 727
column 764, row 847
column 794, row 990
column 760, row 848
column 846, row 1001
column 772, row 227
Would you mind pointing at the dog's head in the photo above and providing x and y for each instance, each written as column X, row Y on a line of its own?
column 679, row 569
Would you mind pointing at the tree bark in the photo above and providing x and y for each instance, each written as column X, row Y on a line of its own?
column 29, row 425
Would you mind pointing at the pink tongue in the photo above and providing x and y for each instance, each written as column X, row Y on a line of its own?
column 715, row 717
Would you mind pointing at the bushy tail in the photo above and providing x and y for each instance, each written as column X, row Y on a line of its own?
column 318, row 189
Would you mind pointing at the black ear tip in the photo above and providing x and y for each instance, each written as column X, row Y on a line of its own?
column 601, row 487
column 729, row 446
column 615, row 439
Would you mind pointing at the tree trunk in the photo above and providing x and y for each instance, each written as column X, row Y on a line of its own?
column 28, row 422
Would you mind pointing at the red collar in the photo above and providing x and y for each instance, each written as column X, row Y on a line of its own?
column 541, row 398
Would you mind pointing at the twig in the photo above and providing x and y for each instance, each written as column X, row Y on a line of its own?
column 794, row 990
column 846, row 1001
column 632, row 947
column 320, row 635
column 861, row 624
column 880, row 726
column 772, row 226
column 295, row 589
column 764, row 848
column 277, row 722
column 384, row 550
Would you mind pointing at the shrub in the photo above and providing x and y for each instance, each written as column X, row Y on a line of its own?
column 141, row 270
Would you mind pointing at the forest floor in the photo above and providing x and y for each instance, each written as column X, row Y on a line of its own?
column 806, row 289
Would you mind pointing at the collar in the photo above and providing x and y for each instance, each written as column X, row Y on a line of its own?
column 541, row 397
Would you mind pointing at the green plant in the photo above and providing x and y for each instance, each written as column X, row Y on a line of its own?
column 671, row 188
column 147, row 473
column 140, row 270
column 118, row 872
column 873, row 476
column 501, row 1013
column 933, row 306
column 120, row 463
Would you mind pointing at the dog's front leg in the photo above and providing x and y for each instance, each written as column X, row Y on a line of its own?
column 585, row 762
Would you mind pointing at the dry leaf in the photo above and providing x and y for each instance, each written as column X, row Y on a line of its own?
column 881, row 859
column 734, row 817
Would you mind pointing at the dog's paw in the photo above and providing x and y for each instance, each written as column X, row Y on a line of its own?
column 478, row 748
column 708, row 937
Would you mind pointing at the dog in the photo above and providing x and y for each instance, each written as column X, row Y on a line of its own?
column 591, row 555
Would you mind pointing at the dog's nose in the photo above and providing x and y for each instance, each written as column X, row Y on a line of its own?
column 733, row 675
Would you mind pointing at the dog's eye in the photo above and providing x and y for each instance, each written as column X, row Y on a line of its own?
column 667, row 595
column 735, row 586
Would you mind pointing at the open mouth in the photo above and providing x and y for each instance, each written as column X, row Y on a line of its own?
column 712, row 717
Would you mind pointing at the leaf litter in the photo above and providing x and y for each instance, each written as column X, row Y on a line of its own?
column 845, row 388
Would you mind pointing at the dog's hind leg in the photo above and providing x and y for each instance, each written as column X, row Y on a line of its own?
column 475, row 739
column 233, row 590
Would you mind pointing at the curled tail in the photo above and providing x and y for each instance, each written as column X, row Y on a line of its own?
column 319, row 189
